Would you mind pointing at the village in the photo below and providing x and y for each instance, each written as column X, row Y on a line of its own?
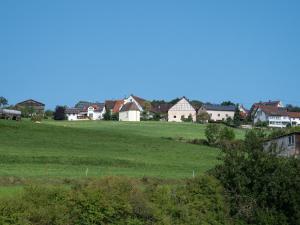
column 271, row 114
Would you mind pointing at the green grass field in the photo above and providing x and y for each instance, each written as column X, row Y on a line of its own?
column 72, row 150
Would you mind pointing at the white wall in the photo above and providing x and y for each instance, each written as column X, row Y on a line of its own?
column 95, row 115
column 130, row 116
column 220, row 115
column 131, row 99
column 72, row 116
column 181, row 108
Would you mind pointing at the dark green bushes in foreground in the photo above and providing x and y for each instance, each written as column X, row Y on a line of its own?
column 116, row 200
column 262, row 187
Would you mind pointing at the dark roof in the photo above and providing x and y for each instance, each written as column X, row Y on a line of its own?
column 130, row 106
column 82, row 104
column 72, row 110
column 215, row 107
column 140, row 100
column 160, row 107
column 109, row 104
column 98, row 107
column 31, row 101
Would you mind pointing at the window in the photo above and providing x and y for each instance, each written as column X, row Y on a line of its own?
column 291, row 140
column 174, row 117
column 226, row 115
column 218, row 115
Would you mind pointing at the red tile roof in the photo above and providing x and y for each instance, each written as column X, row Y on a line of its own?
column 117, row 106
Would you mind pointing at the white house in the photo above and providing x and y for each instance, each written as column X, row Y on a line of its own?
column 218, row 112
column 130, row 112
column 96, row 111
column 137, row 100
column 275, row 117
column 72, row 114
column 92, row 111
column 295, row 118
column 182, row 109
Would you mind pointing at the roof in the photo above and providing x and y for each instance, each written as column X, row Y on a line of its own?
column 130, row 106
column 117, row 106
column 72, row 110
column 31, row 101
column 98, row 107
column 109, row 104
column 273, row 111
column 82, row 104
column 216, row 107
column 294, row 114
column 283, row 135
column 160, row 107
column 269, row 103
column 141, row 101
column 10, row 111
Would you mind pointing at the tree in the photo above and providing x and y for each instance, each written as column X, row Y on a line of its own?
column 226, row 134
column 237, row 117
column 59, row 113
column 107, row 115
column 212, row 133
column 3, row 101
column 227, row 103
column 203, row 117
column 49, row 113
column 174, row 101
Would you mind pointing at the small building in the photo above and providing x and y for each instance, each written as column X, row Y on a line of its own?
column 33, row 106
column 73, row 114
column 140, row 102
column 273, row 116
column 85, row 111
column 96, row 111
column 286, row 145
column 10, row 114
column 181, row 110
column 218, row 112
column 130, row 112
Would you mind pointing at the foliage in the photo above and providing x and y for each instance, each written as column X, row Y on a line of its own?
column 27, row 111
column 59, row 113
column 188, row 119
column 261, row 124
column 107, row 115
column 197, row 104
column 115, row 200
column 203, row 117
column 36, row 118
column 217, row 134
column 174, row 101
column 237, row 117
column 3, row 101
column 227, row 103
column 48, row 114
column 115, row 116
column 292, row 108
column 262, row 187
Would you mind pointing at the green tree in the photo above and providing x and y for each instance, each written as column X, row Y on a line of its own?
column 107, row 115
column 212, row 133
column 237, row 117
column 59, row 113
column 3, row 101
column 227, row 103
column 203, row 117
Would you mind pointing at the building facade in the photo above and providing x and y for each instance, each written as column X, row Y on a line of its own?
column 130, row 112
column 218, row 112
column 181, row 110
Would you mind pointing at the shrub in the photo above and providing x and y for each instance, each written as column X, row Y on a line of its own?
column 36, row 118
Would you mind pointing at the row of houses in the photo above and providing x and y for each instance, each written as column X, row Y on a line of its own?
column 134, row 107
column 273, row 113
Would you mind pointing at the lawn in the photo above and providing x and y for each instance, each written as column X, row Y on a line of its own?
column 73, row 150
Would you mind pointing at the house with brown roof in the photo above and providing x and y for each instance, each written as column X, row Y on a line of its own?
column 130, row 112
column 85, row 111
column 181, row 110
column 31, row 105
column 273, row 116
column 295, row 118
column 255, row 106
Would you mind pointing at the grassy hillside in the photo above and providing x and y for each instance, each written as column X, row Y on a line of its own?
column 72, row 150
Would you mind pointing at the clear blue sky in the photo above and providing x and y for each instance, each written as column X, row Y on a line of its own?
column 59, row 52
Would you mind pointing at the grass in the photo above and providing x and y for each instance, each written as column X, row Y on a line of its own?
column 74, row 150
